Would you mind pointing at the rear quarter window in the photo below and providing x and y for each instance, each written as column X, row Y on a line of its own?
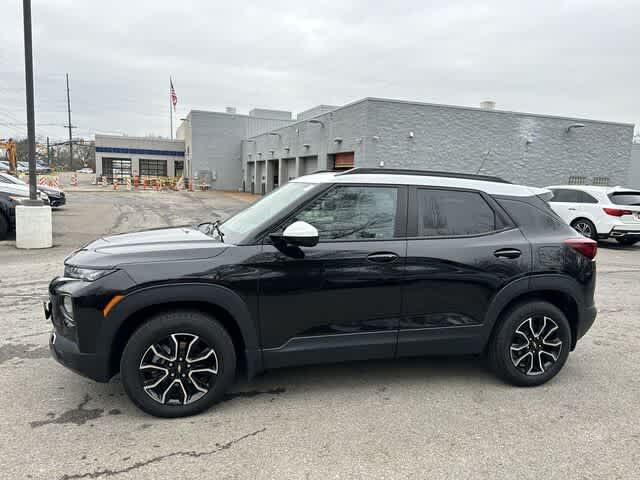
column 533, row 215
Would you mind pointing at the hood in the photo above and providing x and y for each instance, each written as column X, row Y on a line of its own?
column 159, row 245
column 56, row 192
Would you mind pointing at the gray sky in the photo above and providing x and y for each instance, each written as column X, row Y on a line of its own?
column 565, row 57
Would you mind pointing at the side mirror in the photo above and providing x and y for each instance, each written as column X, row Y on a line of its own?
column 301, row 234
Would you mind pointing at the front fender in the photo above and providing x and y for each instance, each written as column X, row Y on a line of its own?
column 214, row 295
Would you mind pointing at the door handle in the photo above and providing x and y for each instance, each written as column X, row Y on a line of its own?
column 572, row 209
column 507, row 253
column 382, row 257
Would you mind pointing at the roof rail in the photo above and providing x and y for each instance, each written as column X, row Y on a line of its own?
column 424, row 173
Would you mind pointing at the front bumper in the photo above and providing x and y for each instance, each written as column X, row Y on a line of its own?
column 66, row 352
column 83, row 341
column 57, row 201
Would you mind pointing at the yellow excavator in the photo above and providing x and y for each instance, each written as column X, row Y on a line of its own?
column 10, row 147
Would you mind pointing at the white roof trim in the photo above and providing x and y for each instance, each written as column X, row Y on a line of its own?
column 492, row 188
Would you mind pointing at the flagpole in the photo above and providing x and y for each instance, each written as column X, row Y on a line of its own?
column 170, row 112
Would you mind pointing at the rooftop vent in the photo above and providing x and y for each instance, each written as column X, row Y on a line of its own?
column 488, row 105
column 230, row 109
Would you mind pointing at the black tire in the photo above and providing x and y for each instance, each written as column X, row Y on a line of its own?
column 585, row 227
column 184, row 325
column 506, row 345
column 4, row 227
column 627, row 242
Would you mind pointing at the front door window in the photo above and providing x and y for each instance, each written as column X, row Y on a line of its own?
column 354, row 213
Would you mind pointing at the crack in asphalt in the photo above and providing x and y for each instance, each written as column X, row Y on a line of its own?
column 9, row 351
column 78, row 415
column 107, row 472
column 252, row 393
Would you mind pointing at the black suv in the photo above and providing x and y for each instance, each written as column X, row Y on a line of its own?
column 331, row 267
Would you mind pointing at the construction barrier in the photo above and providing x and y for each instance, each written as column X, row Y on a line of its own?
column 74, row 180
column 48, row 181
column 152, row 183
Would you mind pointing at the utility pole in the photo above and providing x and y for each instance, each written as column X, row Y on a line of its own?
column 69, row 126
column 48, row 153
column 31, row 121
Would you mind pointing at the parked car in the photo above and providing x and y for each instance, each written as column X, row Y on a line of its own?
column 42, row 168
column 599, row 212
column 8, row 213
column 4, row 166
column 19, row 190
column 55, row 196
column 23, row 167
column 85, row 170
column 364, row 264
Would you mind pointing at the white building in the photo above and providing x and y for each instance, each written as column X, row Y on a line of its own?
column 120, row 156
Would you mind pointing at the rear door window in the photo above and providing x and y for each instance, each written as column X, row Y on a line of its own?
column 449, row 213
column 587, row 198
column 625, row 198
column 565, row 195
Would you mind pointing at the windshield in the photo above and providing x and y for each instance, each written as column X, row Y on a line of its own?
column 263, row 210
column 625, row 198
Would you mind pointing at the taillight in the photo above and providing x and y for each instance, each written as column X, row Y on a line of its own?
column 585, row 246
column 617, row 212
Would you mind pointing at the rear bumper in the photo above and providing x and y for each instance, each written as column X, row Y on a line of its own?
column 585, row 321
column 66, row 352
column 625, row 232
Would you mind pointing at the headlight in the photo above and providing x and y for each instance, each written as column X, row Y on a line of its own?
column 67, row 310
column 86, row 274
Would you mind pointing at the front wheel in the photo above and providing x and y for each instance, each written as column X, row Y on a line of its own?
column 531, row 344
column 178, row 364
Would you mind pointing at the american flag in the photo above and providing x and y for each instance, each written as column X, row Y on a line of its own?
column 172, row 92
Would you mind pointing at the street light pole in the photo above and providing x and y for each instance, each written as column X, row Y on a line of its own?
column 31, row 127
column 33, row 218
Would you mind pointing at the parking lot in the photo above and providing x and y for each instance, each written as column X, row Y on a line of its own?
column 415, row 418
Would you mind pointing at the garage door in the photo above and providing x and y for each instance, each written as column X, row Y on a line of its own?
column 343, row 161
column 117, row 168
column 153, row 168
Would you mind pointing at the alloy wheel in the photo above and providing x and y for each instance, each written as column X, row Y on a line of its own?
column 179, row 369
column 535, row 345
column 584, row 229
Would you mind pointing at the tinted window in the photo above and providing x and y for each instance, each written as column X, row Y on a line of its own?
column 353, row 213
column 453, row 213
column 586, row 198
column 562, row 195
column 532, row 219
column 625, row 198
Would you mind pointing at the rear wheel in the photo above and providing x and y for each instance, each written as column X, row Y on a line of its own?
column 627, row 241
column 178, row 364
column 585, row 227
column 4, row 226
column 531, row 344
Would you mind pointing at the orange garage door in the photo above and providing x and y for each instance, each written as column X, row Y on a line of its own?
column 343, row 160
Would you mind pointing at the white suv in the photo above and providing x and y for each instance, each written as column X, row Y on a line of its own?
column 599, row 212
